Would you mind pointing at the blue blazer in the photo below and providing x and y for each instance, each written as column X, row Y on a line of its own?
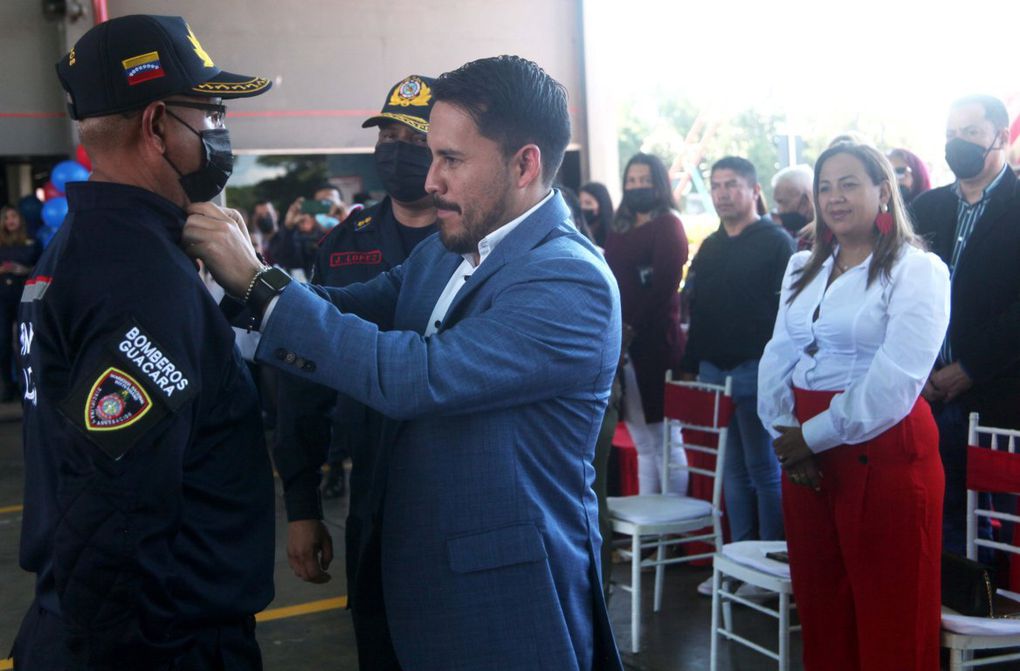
column 489, row 526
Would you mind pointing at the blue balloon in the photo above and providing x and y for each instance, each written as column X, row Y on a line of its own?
column 68, row 171
column 54, row 210
column 30, row 208
column 44, row 235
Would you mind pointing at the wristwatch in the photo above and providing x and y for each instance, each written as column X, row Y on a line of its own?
column 266, row 284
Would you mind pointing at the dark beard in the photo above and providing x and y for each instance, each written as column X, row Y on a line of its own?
column 466, row 242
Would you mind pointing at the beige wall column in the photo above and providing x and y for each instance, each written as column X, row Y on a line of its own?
column 601, row 76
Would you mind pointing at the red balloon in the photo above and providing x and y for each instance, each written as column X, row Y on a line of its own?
column 82, row 157
column 50, row 191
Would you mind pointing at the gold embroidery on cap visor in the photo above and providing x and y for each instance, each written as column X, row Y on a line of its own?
column 414, row 122
column 411, row 92
column 250, row 86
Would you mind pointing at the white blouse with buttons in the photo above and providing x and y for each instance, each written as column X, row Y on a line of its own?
column 875, row 344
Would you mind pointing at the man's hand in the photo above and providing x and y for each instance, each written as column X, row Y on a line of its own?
column 290, row 219
column 951, row 380
column 931, row 393
column 790, row 446
column 220, row 239
column 309, row 550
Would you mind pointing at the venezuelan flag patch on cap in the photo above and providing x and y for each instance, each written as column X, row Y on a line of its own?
column 142, row 68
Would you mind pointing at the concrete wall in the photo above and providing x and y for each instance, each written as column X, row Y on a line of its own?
column 331, row 61
column 32, row 111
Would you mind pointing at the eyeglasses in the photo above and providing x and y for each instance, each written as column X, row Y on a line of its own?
column 215, row 113
column 902, row 171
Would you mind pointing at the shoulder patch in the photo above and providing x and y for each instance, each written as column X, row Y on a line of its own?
column 127, row 391
column 362, row 223
column 116, row 401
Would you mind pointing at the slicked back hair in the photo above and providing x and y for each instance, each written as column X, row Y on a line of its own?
column 514, row 103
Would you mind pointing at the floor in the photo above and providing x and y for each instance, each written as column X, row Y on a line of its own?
column 306, row 624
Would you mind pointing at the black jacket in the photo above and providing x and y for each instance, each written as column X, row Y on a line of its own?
column 733, row 293
column 148, row 490
column 984, row 324
column 310, row 417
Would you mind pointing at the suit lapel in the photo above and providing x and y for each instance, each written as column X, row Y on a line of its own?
column 423, row 288
column 528, row 234
column 945, row 233
column 998, row 206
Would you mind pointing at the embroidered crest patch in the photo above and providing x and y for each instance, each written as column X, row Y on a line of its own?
column 411, row 92
column 126, row 390
column 116, row 401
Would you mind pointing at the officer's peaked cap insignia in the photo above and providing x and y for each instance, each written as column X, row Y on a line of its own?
column 409, row 102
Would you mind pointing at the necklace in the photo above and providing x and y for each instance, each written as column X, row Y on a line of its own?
column 842, row 267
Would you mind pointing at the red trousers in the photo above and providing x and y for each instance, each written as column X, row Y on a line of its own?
column 865, row 552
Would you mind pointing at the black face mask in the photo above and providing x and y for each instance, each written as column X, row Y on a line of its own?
column 904, row 193
column 792, row 221
column 966, row 159
column 402, row 167
column 641, row 200
column 265, row 224
column 590, row 216
column 217, row 164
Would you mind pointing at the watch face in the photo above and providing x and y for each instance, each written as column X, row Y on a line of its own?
column 275, row 279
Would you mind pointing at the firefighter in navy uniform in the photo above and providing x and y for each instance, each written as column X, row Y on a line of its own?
column 149, row 506
column 312, row 419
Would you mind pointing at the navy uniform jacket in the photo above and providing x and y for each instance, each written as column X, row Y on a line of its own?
column 148, row 493
column 364, row 245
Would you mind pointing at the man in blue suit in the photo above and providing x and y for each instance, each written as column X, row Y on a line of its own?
column 492, row 347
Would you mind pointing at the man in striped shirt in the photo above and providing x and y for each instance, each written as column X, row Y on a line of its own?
column 974, row 226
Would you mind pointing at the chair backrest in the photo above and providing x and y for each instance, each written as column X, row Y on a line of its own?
column 695, row 417
column 993, row 467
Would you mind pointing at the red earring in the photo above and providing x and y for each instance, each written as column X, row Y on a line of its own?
column 884, row 221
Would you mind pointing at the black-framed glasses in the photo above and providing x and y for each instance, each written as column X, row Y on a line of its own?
column 215, row 112
column 902, row 171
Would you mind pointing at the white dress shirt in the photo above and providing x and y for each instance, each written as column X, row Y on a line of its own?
column 460, row 275
column 468, row 267
column 875, row 344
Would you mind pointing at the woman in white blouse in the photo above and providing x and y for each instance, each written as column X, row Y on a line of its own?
column 861, row 319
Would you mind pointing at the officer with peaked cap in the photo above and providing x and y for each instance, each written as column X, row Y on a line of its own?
column 311, row 417
column 148, row 516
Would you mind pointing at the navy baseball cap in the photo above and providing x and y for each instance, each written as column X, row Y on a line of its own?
column 409, row 102
column 130, row 61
